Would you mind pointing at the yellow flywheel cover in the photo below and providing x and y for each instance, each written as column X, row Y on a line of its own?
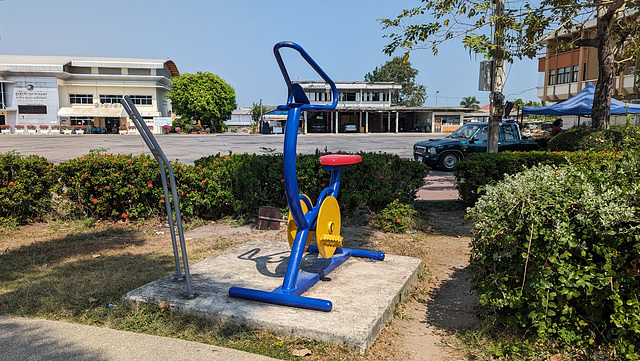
column 328, row 224
column 292, row 228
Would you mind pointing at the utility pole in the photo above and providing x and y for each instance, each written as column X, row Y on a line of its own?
column 497, row 79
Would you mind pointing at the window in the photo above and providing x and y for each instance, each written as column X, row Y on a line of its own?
column 375, row 97
column 347, row 96
column 80, row 98
column 552, row 77
column 80, row 121
column 134, row 71
column 563, row 75
column 507, row 133
column 142, row 99
column 574, row 74
column 110, row 71
column 385, row 96
column 110, row 99
column 32, row 109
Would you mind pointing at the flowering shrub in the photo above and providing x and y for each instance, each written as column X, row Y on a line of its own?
column 111, row 186
column 394, row 218
column 79, row 127
column 121, row 186
column 55, row 126
column 19, row 126
column 132, row 127
column 25, row 187
column 556, row 250
column 122, row 127
column 166, row 128
column 177, row 129
column 44, row 126
column 31, row 126
column 5, row 126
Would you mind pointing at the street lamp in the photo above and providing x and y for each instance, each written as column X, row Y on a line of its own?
column 437, row 92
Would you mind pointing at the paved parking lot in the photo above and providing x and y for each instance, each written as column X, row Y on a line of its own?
column 187, row 148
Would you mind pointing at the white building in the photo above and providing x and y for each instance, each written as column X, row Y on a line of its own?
column 367, row 105
column 59, row 90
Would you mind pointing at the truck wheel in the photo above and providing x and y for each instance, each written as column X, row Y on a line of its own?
column 447, row 161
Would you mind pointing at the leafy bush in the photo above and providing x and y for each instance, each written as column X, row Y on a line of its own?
column 395, row 218
column 252, row 181
column 112, row 186
column 556, row 249
column 477, row 171
column 583, row 138
column 25, row 194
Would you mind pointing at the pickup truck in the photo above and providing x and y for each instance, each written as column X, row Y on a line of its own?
column 468, row 139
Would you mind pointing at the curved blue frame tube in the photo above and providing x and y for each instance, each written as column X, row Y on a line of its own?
column 297, row 281
column 280, row 299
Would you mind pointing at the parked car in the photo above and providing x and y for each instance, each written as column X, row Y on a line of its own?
column 317, row 128
column 349, row 128
column 468, row 139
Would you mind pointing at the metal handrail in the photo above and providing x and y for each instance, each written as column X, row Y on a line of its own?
column 165, row 168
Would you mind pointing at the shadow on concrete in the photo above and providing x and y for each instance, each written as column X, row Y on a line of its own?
column 20, row 342
column 310, row 262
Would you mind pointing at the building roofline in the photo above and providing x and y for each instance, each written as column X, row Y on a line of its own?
column 43, row 63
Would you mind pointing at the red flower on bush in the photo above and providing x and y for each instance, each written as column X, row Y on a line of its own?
column 149, row 184
column 11, row 183
column 106, row 187
column 398, row 220
column 94, row 201
column 123, row 215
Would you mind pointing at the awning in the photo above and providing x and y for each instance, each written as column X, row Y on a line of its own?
column 92, row 112
column 581, row 104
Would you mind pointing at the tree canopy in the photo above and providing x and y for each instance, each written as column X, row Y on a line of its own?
column 257, row 110
column 470, row 102
column 399, row 71
column 203, row 96
column 523, row 30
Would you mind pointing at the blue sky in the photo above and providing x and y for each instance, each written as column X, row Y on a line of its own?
column 234, row 39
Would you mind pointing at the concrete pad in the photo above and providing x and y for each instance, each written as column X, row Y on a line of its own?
column 364, row 293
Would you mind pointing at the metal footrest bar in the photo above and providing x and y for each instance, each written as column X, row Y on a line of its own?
column 165, row 168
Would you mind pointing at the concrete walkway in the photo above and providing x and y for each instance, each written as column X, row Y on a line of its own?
column 439, row 186
column 23, row 339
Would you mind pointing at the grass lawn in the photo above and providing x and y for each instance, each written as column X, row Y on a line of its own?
column 76, row 271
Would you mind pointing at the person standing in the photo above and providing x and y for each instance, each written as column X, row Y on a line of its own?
column 557, row 127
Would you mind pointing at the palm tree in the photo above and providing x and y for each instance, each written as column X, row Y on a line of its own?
column 470, row 102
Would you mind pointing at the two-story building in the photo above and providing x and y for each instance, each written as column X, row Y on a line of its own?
column 58, row 90
column 565, row 72
column 365, row 107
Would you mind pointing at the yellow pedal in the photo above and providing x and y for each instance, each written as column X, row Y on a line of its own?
column 331, row 240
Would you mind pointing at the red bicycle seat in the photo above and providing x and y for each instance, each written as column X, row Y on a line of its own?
column 340, row 159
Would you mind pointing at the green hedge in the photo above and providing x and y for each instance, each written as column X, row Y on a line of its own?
column 583, row 138
column 258, row 180
column 556, row 249
column 477, row 171
column 116, row 187
column 26, row 182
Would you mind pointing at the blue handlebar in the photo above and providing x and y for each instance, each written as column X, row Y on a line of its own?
column 290, row 100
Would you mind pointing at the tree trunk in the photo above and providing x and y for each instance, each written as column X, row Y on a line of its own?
column 601, row 110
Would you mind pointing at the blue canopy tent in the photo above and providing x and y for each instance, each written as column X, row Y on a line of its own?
column 581, row 104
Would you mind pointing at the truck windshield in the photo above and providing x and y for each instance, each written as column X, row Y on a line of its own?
column 465, row 131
